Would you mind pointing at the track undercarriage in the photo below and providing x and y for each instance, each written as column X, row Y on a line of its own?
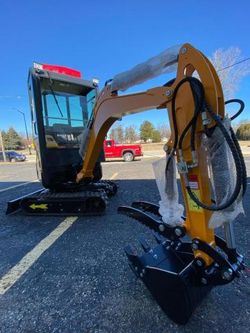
column 86, row 199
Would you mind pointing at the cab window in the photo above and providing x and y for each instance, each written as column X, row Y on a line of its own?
column 91, row 98
column 108, row 143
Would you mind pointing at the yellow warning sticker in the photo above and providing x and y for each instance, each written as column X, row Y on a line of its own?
column 192, row 205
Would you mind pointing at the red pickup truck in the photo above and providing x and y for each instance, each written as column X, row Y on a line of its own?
column 127, row 152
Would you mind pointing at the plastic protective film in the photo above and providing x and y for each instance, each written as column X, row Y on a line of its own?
column 83, row 138
column 165, row 62
column 170, row 209
column 222, row 175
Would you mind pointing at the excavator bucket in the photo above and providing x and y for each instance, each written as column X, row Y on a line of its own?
column 171, row 276
column 177, row 280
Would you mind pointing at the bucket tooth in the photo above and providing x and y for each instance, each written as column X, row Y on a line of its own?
column 144, row 244
column 158, row 237
column 130, row 251
column 134, row 261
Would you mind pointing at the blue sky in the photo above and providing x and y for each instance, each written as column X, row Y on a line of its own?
column 103, row 38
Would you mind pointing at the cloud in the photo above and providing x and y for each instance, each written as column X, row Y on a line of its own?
column 10, row 97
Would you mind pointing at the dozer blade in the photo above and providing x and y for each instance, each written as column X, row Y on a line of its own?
column 14, row 205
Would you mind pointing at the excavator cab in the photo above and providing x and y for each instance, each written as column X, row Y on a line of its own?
column 61, row 105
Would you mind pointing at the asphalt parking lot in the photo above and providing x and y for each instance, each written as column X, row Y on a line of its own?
column 82, row 282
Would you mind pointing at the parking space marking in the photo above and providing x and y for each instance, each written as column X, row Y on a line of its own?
column 14, row 186
column 11, row 277
column 114, row 176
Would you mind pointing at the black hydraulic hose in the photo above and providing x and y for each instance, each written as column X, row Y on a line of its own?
column 175, row 126
column 242, row 106
column 174, row 117
column 243, row 165
column 186, row 129
column 186, row 79
column 198, row 98
column 200, row 105
column 169, row 83
column 238, row 165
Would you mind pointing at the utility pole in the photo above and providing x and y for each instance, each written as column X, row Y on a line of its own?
column 2, row 145
column 26, row 130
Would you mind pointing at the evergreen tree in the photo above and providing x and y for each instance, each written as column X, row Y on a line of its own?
column 12, row 139
column 5, row 139
column 243, row 132
column 146, row 130
column 156, row 136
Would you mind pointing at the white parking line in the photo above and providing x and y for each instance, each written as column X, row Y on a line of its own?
column 114, row 176
column 11, row 277
column 14, row 186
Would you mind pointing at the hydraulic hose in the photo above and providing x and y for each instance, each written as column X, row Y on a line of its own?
column 242, row 106
column 196, row 112
column 238, row 166
column 200, row 105
column 198, row 98
column 244, row 170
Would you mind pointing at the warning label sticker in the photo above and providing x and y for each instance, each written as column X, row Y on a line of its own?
column 194, row 185
column 192, row 205
column 193, row 182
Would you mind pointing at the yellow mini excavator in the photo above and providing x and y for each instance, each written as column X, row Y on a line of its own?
column 189, row 258
column 179, row 273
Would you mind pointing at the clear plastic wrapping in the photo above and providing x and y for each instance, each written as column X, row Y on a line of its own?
column 83, row 138
column 223, row 176
column 165, row 62
column 170, row 208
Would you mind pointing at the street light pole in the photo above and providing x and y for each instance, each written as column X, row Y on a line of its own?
column 2, row 145
column 26, row 130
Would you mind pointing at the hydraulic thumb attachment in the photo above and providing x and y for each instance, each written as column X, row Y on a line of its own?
column 180, row 272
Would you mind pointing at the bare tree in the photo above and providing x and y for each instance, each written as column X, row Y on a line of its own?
column 131, row 134
column 230, row 76
column 164, row 131
column 117, row 133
